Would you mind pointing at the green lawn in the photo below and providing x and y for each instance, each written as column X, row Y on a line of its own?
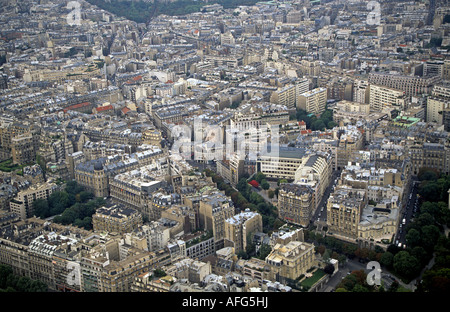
column 310, row 281
column 8, row 166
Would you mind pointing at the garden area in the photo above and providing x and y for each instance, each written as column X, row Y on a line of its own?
column 308, row 280
column 74, row 205
column 8, row 166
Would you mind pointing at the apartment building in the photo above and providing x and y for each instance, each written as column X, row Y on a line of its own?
column 241, row 227
column 429, row 155
column 23, row 149
column 315, row 171
column 411, row 85
column 117, row 219
column 201, row 249
column 286, row 96
column 310, row 68
column 194, row 271
column 435, row 109
column 361, row 92
column 301, row 86
column 214, row 209
column 157, row 202
column 378, row 223
column 66, row 266
column 347, row 112
column 101, row 273
column 433, row 68
column 145, row 282
column 130, row 188
column 350, row 140
column 296, row 203
column 256, row 269
column 446, row 70
column 183, row 214
column 42, row 262
column 14, row 241
column 54, row 146
column 313, row 101
column 93, row 177
column 22, row 204
column 344, row 210
column 232, row 169
column 152, row 137
column 381, row 97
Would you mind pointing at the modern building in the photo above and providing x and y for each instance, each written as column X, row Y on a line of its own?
column 282, row 165
column 435, row 109
column 286, row 96
column 361, row 91
column 381, row 97
column 411, row 85
column 22, row 204
column 314, row 101
column 241, row 227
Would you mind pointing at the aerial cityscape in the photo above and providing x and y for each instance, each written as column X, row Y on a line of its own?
column 224, row 146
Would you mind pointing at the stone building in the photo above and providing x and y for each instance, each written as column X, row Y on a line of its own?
column 287, row 262
column 117, row 219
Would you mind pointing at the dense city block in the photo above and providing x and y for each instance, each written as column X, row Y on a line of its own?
column 224, row 146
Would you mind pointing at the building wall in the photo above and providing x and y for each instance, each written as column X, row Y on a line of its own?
column 287, row 262
column 313, row 101
column 295, row 203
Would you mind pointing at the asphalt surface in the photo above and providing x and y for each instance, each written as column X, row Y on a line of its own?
column 408, row 213
column 351, row 265
column 320, row 215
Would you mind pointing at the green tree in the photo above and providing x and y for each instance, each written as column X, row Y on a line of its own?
column 318, row 125
column 429, row 190
column 413, row 238
column 58, row 201
column 85, row 196
column 420, row 254
column 264, row 251
column 437, row 281
column 348, row 283
column 243, row 187
column 5, row 271
column 331, row 124
column 406, row 265
column 159, row 273
column 387, row 259
column 259, row 177
column 360, row 288
column 430, row 236
column 255, row 198
column 41, row 208
column 265, row 185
